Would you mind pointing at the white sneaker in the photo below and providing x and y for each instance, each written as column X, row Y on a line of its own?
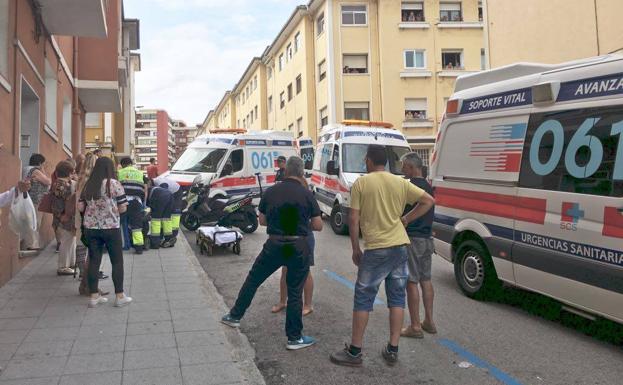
column 125, row 300
column 93, row 302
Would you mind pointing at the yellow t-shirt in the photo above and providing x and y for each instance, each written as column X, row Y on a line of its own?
column 381, row 199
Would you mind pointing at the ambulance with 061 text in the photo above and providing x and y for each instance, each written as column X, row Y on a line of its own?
column 528, row 179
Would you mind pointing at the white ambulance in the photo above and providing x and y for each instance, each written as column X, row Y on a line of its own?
column 528, row 178
column 340, row 160
column 229, row 161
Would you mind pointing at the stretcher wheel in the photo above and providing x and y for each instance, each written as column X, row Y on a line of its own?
column 236, row 248
column 210, row 250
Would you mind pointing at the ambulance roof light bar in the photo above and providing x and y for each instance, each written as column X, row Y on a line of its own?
column 367, row 123
column 228, row 131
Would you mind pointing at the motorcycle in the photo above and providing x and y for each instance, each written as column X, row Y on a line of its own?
column 236, row 211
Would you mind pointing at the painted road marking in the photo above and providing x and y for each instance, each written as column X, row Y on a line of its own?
column 338, row 278
column 456, row 348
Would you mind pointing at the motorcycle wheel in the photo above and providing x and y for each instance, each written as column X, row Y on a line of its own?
column 190, row 221
column 251, row 223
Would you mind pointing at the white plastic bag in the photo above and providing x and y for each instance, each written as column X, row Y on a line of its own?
column 23, row 216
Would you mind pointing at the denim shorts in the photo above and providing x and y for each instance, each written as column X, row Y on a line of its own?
column 376, row 266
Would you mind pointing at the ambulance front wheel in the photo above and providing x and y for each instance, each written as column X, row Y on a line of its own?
column 190, row 221
column 474, row 271
column 339, row 222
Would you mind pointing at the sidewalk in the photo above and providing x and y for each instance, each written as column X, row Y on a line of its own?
column 169, row 335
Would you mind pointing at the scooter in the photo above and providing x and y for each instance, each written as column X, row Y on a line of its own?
column 237, row 211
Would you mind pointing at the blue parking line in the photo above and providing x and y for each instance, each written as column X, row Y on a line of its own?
column 339, row 279
column 472, row 358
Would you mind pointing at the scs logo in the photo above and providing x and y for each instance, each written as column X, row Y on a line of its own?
column 571, row 215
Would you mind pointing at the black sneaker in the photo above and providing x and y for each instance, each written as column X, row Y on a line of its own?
column 346, row 358
column 138, row 250
column 391, row 358
column 101, row 275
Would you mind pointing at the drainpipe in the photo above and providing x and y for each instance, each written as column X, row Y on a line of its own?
column 77, row 146
column 17, row 84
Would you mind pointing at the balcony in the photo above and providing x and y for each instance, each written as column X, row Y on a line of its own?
column 85, row 18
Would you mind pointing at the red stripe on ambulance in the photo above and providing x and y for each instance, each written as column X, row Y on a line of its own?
column 523, row 209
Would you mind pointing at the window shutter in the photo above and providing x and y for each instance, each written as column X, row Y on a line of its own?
column 415, row 105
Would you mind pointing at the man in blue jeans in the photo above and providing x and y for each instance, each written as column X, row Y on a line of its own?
column 378, row 200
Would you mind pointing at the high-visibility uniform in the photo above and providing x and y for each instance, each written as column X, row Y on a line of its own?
column 161, row 204
column 178, row 205
column 134, row 186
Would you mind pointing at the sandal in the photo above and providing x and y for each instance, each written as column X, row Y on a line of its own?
column 410, row 332
column 429, row 328
column 307, row 311
column 278, row 308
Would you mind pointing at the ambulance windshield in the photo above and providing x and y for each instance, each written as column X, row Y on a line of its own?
column 355, row 154
column 200, row 160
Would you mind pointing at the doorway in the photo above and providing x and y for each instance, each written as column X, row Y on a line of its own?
column 29, row 124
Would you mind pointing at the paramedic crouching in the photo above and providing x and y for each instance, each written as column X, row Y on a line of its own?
column 286, row 209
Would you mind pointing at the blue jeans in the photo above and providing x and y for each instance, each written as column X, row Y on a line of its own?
column 376, row 266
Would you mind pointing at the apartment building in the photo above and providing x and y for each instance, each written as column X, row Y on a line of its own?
column 183, row 135
column 249, row 94
column 225, row 112
column 394, row 61
column 154, row 138
column 289, row 62
column 551, row 31
column 58, row 62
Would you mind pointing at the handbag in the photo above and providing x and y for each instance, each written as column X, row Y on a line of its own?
column 45, row 206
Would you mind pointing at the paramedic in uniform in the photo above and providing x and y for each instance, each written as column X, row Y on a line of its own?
column 281, row 171
column 286, row 209
column 136, row 191
column 161, row 204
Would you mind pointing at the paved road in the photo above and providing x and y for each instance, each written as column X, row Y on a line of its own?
column 507, row 343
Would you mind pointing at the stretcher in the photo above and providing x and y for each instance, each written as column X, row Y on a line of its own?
column 210, row 237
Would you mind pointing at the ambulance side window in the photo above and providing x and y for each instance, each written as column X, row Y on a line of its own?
column 237, row 160
column 317, row 158
column 336, row 155
column 577, row 151
column 325, row 157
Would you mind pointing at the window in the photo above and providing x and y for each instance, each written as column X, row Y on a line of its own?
column 575, row 151
column 255, row 83
column 415, row 59
column 238, row 123
column 290, row 92
column 424, row 154
column 320, row 24
column 452, row 59
column 4, row 38
column 415, row 109
column 270, row 104
column 93, row 119
column 280, row 62
column 235, row 163
column 355, row 64
column 357, row 111
column 297, row 42
column 450, row 12
column 322, row 70
column 289, row 53
column 412, row 12
column 483, row 61
column 325, row 157
column 299, row 84
column 354, row 154
column 269, row 72
column 51, row 92
column 256, row 115
column 244, row 123
column 251, row 115
column 282, row 100
column 324, row 117
column 290, row 127
column 354, row 15
column 67, row 123
column 480, row 14
column 299, row 127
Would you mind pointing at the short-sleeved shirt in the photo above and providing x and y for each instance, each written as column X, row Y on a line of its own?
column 103, row 213
column 288, row 207
column 423, row 226
column 381, row 198
column 152, row 171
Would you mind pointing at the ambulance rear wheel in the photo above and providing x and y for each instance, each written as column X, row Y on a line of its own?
column 474, row 271
column 338, row 221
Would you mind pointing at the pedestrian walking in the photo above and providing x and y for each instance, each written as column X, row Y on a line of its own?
column 102, row 200
column 39, row 186
column 63, row 204
column 378, row 200
column 286, row 209
column 420, row 254
column 136, row 192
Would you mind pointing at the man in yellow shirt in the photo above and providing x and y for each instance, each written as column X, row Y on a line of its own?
column 377, row 204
